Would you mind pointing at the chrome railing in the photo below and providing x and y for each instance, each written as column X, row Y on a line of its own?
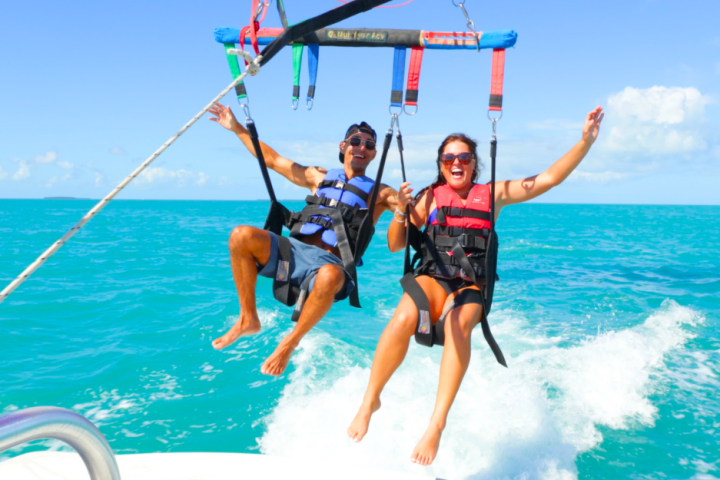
column 38, row 423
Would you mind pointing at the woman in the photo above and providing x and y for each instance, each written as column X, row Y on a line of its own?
column 458, row 167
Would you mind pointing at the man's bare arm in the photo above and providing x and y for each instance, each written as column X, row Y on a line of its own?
column 308, row 177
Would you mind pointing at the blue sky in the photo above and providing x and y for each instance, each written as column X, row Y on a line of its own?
column 91, row 89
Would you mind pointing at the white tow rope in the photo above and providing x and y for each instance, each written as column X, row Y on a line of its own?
column 252, row 69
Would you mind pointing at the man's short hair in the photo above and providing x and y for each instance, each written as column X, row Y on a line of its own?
column 361, row 127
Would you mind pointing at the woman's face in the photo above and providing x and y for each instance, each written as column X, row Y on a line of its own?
column 457, row 175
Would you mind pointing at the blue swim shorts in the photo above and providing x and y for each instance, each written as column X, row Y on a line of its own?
column 306, row 260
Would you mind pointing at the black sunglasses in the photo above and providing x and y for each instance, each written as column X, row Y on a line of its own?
column 448, row 158
column 355, row 142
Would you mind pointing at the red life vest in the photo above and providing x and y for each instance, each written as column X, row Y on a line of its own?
column 452, row 212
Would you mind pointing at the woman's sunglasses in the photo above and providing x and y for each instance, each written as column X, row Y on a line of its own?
column 449, row 158
column 355, row 142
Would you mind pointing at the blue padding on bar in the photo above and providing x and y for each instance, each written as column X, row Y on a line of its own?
column 313, row 57
column 232, row 35
column 398, row 73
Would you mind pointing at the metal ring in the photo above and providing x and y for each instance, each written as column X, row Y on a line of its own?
column 458, row 4
column 295, row 104
column 408, row 113
column 246, row 108
column 309, row 103
column 494, row 119
column 390, row 109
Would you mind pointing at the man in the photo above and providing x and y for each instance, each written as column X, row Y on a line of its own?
column 314, row 246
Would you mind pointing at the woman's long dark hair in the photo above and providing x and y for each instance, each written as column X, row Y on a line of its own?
column 454, row 137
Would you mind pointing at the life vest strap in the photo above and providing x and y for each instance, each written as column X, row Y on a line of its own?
column 341, row 185
column 435, row 230
column 348, row 211
column 442, row 212
column 465, row 241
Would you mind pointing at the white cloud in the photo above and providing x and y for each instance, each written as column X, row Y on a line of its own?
column 54, row 179
column 66, row 165
column 23, row 171
column 225, row 182
column 99, row 178
column 180, row 177
column 117, row 151
column 597, row 177
column 49, row 157
column 656, row 120
column 202, row 179
column 3, row 173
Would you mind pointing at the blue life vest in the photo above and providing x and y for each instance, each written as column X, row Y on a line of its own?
column 337, row 192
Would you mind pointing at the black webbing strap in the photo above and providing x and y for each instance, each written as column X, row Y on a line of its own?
column 465, row 241
column 460, row 212
column 408, row 222
column 457, row 231
column 367, row 227
column 341, row 185
column 281, row 12
column 282, row 290
column 302, row 296
column 261, row 159
column 488, row 334
column 424, row 330
column 345, row 208
column 278, row 216
column 296, row 32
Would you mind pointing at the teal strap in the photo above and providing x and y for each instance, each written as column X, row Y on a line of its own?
column 235, row 70
column 297, row 53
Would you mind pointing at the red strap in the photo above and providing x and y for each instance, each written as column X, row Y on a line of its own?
column 413, row 79
column 496, row 80
column 254, row 25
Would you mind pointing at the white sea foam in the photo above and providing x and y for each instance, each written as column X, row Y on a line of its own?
column 529, row 421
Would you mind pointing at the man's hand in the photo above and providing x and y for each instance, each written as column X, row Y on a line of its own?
column 225, row 117
column 592, row 125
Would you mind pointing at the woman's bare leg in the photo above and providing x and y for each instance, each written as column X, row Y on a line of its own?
column 455, row 359
column 391, row 350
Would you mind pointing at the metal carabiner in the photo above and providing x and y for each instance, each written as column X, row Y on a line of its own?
column 394, row 120
column 309, row 103
column 469, row 23
column 246, row 108
column 295, row 104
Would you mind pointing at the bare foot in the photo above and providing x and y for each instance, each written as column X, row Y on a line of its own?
column 276, row 363
column 426, row 449
column 359, row 426
column 246, row 325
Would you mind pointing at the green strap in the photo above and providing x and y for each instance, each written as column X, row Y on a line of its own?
column 235, row 70
column 297, row 52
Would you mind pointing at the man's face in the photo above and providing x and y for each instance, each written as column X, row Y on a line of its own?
column 358, row 156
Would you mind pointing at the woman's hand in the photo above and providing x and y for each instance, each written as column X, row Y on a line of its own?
column 225, row 117
column 592, row 125
column 404, row 196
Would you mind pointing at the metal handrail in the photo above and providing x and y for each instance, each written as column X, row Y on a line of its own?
column 67, row 426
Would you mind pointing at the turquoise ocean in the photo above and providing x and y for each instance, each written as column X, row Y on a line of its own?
column 607, row 315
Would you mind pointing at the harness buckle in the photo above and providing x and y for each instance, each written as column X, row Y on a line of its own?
column 332, row 203
column 340, row 185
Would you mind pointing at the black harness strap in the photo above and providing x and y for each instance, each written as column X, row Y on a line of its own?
column 341, row 185
column 302, row 296
column 282, row 290
column 424, row 330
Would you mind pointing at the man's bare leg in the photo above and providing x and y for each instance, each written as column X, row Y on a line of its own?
column 455, row 360
column 391, row 351
column 247, row 246
column 329, row 281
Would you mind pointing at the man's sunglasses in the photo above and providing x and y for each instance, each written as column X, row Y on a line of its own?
column 355, row 142
column 449, row 158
